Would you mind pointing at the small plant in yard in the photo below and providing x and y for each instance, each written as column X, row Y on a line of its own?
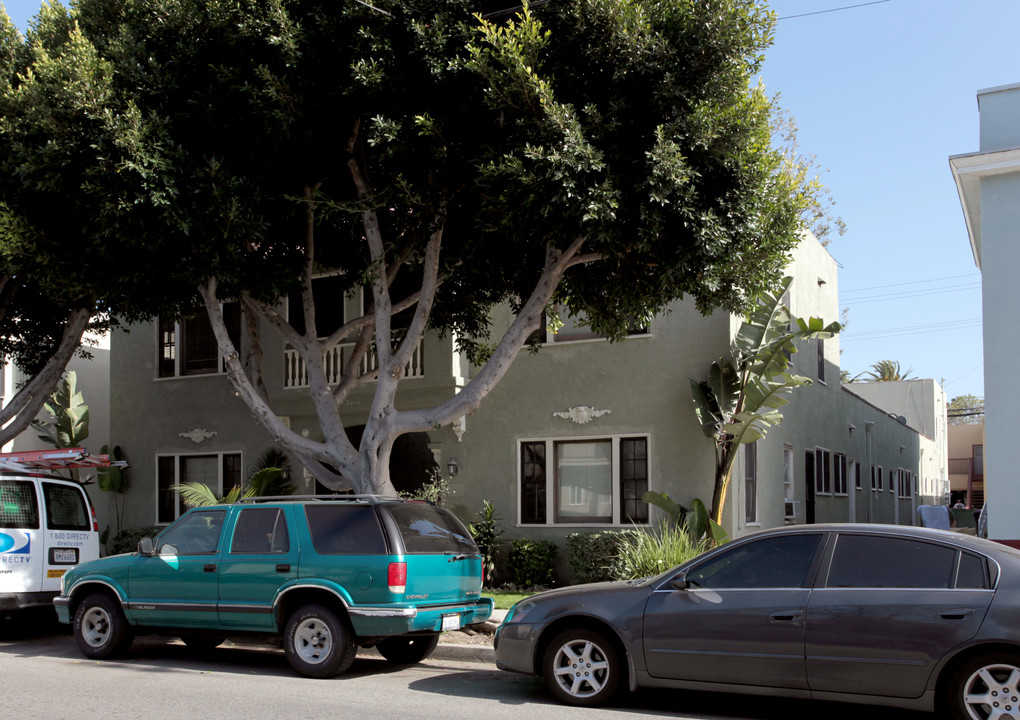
column 530, row 562
column 642, row 553
column 434, row 490
column 591, row 555
column 486, row 533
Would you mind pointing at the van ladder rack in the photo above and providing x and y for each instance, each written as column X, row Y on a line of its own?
column 59, row 459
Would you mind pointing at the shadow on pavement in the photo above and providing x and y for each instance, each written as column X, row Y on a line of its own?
column 513, row 689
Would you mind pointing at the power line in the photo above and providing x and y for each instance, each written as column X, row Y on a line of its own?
column 910, row 294
column 915, row 282
column 907, row 331
column 832, row 10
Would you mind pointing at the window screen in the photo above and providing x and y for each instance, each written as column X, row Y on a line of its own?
column 345, row 530
column 65, row 508
column 19, row 507
column 862, row 561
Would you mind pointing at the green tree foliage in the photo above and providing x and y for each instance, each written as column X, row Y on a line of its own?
column 609, row 155
column 742, row 396
column 966, row 410
column 68, row 164
column 67, row 421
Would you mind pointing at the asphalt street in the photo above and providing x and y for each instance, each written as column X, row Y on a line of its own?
column 44, row 676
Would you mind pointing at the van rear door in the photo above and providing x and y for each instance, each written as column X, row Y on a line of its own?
column 71, row 536
column 21, row 542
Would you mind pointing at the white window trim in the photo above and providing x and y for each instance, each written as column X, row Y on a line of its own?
column 756, row 523
column 550, row 479
column 177, row 474
column 846, row 474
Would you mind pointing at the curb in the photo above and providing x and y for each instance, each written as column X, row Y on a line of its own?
column 465, row 653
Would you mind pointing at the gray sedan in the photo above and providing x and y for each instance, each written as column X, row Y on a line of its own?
column 884, row 615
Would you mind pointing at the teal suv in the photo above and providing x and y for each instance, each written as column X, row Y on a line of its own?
column 329, row 575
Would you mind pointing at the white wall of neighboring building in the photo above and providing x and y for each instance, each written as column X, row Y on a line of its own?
column 988, row 182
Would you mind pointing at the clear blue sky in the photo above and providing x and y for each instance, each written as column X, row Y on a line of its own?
column 883, row 95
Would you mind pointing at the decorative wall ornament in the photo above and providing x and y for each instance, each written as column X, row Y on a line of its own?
column 459, row 427
column 197, row 435
column 581, row 414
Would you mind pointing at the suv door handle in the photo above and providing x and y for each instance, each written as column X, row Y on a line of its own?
column 209, row 567
column 283, row 567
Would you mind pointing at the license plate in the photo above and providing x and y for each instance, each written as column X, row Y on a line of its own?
column 451, row 622
column 65, row 556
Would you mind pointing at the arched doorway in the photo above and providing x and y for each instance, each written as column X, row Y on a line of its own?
column 411, row 462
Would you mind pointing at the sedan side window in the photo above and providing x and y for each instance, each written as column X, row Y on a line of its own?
column 874, row 561
column 197, row 533
column 774, row 562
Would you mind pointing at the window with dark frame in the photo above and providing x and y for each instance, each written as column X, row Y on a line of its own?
column 216, row 470
column 582, row 474
column 839, row 484
column 188, row 346
column 823, row 471
column 751, row 483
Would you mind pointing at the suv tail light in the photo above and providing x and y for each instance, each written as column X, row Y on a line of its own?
column 396, row 577
column 95, row 521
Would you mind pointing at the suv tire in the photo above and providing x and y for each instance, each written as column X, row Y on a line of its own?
column 317, row 643
column 100, row 628
column 407, row 649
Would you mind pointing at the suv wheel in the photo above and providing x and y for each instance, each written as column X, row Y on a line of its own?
column 100, row 628
column 318, row 644
column 581, row 668
column 407, row 649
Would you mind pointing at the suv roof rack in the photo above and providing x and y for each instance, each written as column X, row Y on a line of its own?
column 60, row 459
column 323, row 498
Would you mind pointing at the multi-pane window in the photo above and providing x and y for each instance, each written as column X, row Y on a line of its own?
column 823, row 472
column 188, row 346
column 857, row 475
column 876, row 478
column 751, row 483
column 573, row 329
column 596, row 481
column 839, row 483
column 903, row 483
column 216, row 470
column 788, row 473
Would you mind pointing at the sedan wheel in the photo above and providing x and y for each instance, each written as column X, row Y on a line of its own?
column 987, row 688
column 317, row 643
column 581, row 668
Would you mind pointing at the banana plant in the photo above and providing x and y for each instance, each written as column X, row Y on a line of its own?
column 740, row 400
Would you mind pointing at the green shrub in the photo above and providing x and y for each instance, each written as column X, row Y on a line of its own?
column 530, row 562
column 591, row 556
column 486, row 532
column 642, row 553
column 126, row 540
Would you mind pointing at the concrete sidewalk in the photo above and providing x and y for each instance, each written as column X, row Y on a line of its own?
column 463, row 652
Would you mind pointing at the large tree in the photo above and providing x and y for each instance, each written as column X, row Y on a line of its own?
column 66, row 166
column 611, row 156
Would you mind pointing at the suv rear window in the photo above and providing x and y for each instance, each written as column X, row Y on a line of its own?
column 345, row 530
column 19, row 507
column 430, row 529
column 65, row 508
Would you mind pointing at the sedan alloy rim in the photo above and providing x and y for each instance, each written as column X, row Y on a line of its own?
column 993, row 693
column 581, row 668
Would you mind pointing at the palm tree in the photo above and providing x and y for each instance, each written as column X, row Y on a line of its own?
column 885, row 371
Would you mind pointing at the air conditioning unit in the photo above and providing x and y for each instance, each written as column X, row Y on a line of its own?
column 792, row 509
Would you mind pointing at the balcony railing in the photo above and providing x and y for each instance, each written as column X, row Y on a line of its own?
column 959, row 466
column 334, row 362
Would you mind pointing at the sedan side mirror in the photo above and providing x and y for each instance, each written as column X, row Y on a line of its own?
column 680, row 581
column 145, row 547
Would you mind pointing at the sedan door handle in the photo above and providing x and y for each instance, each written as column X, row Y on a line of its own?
column 959, row 614
column 786, row 615
column 209, row 567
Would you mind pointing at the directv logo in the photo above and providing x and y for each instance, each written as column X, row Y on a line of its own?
column 15, row 545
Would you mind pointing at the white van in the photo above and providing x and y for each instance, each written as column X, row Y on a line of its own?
column 47, row 525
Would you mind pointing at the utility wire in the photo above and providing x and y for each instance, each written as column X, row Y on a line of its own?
column 915, row 282
column 832, row 10
column 909, row 294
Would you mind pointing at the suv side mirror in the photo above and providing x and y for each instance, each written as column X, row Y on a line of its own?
column 145, row 547
column 680, row 581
